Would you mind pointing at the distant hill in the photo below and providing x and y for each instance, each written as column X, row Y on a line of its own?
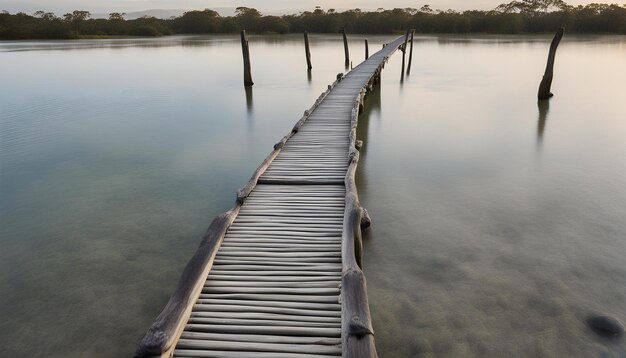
column 165, row 13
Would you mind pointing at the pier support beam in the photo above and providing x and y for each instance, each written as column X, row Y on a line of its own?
column 367, row 50
column 307, row 50
column 345, row 47
column 245, row 48
column 408, row 69
column 403, row 49
column 546, row 82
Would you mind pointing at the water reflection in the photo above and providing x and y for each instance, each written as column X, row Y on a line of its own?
column 403, row 67
column 249, row 99
column 66, row 45
column 373, row 102
column 469, row 239
column 544, row 109
column 468, row 255
column 170, row 41
column 371, row 108
column 309, row 76
column 106, row 188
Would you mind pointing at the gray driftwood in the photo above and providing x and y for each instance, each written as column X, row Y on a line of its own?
column 546, row 82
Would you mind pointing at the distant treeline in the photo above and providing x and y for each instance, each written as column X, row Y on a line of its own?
column 525, row 16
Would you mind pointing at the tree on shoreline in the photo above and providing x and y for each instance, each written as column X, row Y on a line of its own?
column 76, row 18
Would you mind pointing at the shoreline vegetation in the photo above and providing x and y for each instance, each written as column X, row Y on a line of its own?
column 516, row 17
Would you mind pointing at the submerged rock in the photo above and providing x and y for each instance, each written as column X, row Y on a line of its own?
column 605, row 325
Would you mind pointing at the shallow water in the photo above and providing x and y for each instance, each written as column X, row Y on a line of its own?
column 497, row 227
column 115, row 156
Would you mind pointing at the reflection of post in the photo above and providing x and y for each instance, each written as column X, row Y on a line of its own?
column 345, row 47
column 249, row 99
column 245, row 48
column 374, row 100
column 546, row 81
column 307, row 50
column 372, row 105
column 309, row 76
column 408, row 69
column 544, row 109
column 367, row 50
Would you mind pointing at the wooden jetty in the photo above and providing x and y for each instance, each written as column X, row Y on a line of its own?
column 279, row 274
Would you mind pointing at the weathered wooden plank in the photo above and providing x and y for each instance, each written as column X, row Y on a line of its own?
column 281, row 278
column 260, row 329
column 265, row 322
column 260, row 338
column 301, row 308
column 258, row 347
column 331, row 283
column 185, row 353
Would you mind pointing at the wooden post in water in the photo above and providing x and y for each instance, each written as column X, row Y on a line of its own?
column 245, row 48
column 345, row 47
column 367, row 50
column 546, row 82
column 403, row 48
column 408, row 69
column 307, row 50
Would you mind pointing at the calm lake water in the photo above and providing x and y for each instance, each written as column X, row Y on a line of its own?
column 498, row 225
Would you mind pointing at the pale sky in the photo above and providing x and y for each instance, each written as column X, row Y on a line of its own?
column 267, row 6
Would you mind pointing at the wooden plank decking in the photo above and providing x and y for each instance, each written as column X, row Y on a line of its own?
column 270, row 278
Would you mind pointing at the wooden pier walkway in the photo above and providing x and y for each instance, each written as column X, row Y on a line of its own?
column 279, row 274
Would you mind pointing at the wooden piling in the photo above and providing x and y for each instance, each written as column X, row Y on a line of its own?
column 546, row 82
column 245, row 48
column 367, row 50
column 403, row 49
column 307, row 50
column 408, row 69
column 345, row 46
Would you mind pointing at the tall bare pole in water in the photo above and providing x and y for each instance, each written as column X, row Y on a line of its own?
column 546, row 82
column 307, row 50
column 408, row 69
column 245, row 48
column 345, row 47
column 403, row 49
